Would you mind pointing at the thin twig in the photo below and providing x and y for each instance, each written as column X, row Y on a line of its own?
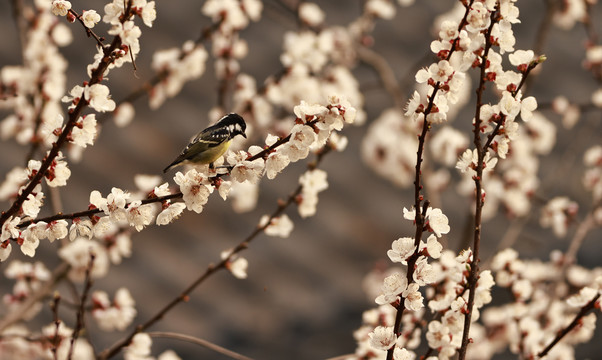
column 342, row 357
column 584, row 310
column 592, row 38
column 92, row 212
column 525, row 76
column 481, row 150
column 89, row 31
column 584, row 227
column 222, row 91
column 21, row 23
column 54, row 306
column 36, row 141
column 510, row 236
column 493, row 134
column 544, row 26
column 409, row 80
column 543, row 30
column 291, row 7
column 198, row 341
column 80, row 319
column 384, row 71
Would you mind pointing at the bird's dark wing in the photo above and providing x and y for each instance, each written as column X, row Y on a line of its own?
column 206, row 139
column 211, row 136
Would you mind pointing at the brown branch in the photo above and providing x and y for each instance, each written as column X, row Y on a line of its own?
column 576, row 321
column 592, row 39
column 342, row 357
column 481, row 151
column 89, row 31
column 54, row 307
column 545, row 25
column 198, row 341
column 525, row 74
column 384, row 71
column 543, row 30
column 493, row 134
column 35, row 142
column 222, row 91
column 92, row 212
column 80, row 319
column 177, row 195
column 22, row 24
column 410, row 272
column 584, row 227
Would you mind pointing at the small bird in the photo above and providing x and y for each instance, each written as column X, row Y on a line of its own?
column 212, row 142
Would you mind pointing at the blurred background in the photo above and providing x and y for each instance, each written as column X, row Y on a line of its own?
column 303, row 297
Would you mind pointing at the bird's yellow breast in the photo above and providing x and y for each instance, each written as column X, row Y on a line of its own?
column 211, row 154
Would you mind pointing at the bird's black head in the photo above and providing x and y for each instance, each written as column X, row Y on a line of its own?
column 234, row 123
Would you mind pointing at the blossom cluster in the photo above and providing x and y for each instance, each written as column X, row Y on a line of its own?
column 400, row 291
column 473, row 35
column 16, row 345
column 542, row 306
column 514, row 180
column 90, row 234
column 176, row 66
column 592, row 179
column 29, row 278
column 442, row 333
column 314, row 70
column 116, row 315
column 387, row 148
column 558, row 214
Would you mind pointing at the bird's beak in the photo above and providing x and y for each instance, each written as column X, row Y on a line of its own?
column 244, row 135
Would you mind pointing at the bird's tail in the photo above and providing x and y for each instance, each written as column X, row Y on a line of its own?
column 175, row 163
